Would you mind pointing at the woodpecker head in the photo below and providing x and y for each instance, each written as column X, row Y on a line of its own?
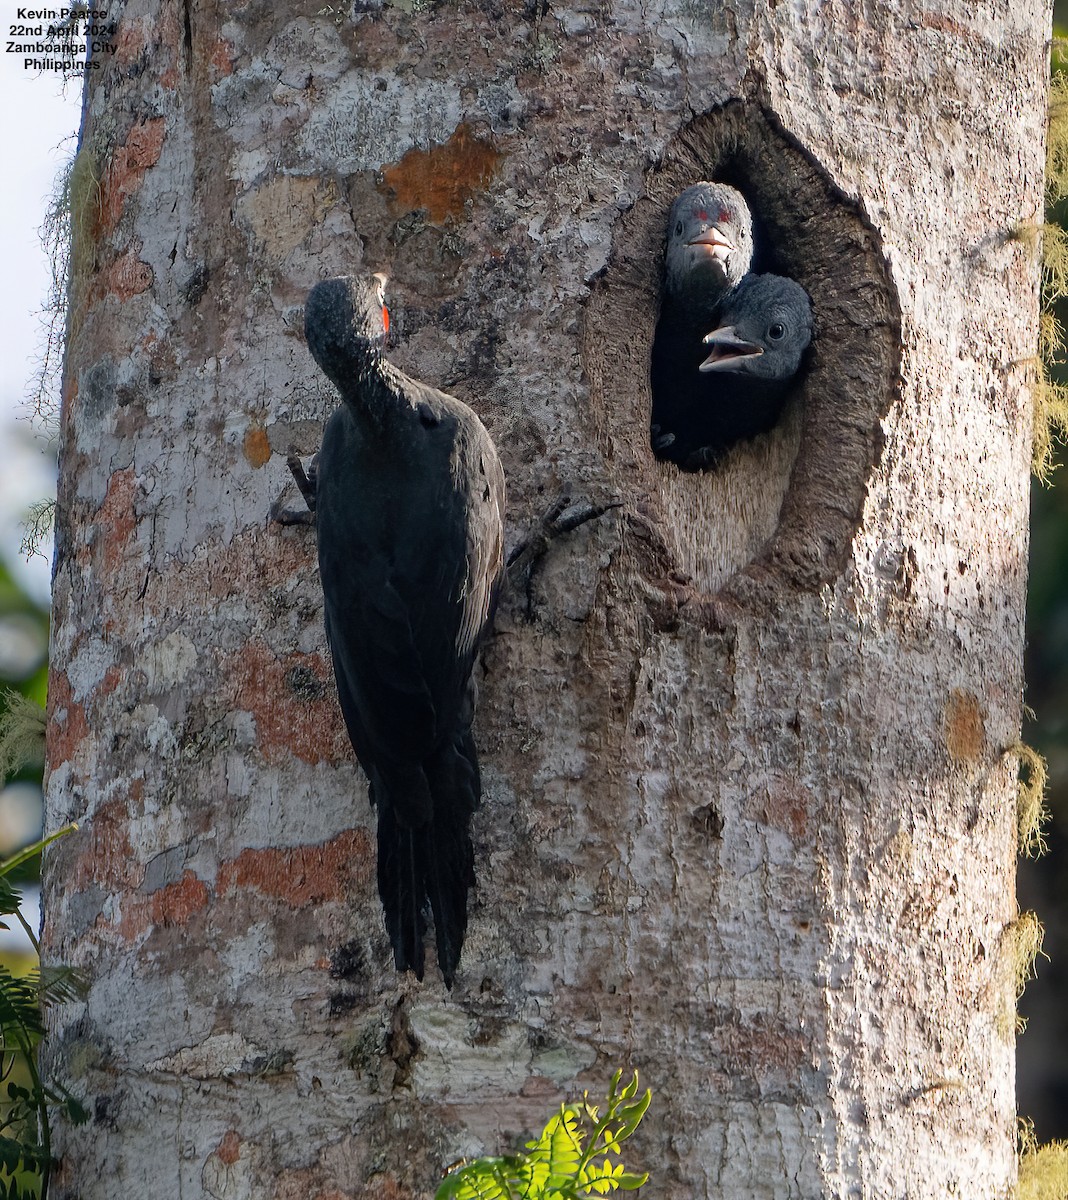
column 345, row 324
column 709, row 241
column 766, row 328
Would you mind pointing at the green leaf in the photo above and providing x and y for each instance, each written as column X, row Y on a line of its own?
column 630, row 1115
column 16, row 860
column 59, row 1097
column 483, row 1179
column 555, row 1165
column 10, row 898
column 10, row 1154
column 564, row 1147
column 532, row 1176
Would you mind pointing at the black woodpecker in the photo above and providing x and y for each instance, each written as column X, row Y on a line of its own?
column 709, row 250
column 753, row 359
column 409, row 504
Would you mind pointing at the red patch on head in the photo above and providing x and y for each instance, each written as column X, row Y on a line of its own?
column 385, row 319
column 700, row 214
column 722, row 217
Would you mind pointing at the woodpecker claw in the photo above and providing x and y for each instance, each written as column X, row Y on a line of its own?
column 305, row 481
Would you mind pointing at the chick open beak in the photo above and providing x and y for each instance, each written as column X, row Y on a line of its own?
column 728, row 350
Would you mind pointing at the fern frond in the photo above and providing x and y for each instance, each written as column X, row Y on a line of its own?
column 59, row 985
column 20, row 1016
column 573, row 1157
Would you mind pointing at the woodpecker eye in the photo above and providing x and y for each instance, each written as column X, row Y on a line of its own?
column 678, row 229
column 777, row 332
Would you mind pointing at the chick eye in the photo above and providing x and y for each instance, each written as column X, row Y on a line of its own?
column 777, row 332
column 678, row 229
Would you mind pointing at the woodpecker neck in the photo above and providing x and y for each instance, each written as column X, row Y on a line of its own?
column 375, row 388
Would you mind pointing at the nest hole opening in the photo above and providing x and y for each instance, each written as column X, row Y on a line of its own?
column 782, row 509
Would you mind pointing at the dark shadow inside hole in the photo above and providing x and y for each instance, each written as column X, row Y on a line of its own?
column 782, row 510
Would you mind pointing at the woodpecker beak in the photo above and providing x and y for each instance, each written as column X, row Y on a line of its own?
column 716, row 242
column 728, row 350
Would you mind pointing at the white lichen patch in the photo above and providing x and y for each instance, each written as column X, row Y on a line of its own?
column 217, row 1057
column 360, row 131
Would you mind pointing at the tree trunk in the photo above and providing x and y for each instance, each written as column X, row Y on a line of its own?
column 748, row 814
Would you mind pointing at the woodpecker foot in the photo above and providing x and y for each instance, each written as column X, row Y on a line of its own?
column 562, row 516
column 305, row 482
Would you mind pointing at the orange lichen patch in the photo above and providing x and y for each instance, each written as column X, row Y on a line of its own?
column 965, row 726
column 177, row 902
column 105, row 856
column 165, row 53
column 229, row 1149
column 129, row 43
column 112, row 679
column 292, row 701
column 169, row 908
column 222, row 58
column 70, row 389
column 441, row 179
column 784, row 805
column 127, row 276
column 66, row 724
column 126, row 171
column 257, row 446
column 302, row 875
column 115, row 517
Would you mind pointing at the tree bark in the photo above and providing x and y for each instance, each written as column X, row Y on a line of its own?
column 748, row 815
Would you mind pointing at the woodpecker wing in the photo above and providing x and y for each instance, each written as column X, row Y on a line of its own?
column 411, row 591
column 484, row 542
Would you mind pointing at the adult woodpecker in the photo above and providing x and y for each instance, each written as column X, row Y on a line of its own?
column 753, row 358
column 709, row 250
column 409, row 503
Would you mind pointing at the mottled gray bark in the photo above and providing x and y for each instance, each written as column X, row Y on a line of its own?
column 748, row 822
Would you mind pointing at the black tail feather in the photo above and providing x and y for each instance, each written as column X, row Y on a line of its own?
column 433, row 862
column 400, row 887
column 450, row 867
